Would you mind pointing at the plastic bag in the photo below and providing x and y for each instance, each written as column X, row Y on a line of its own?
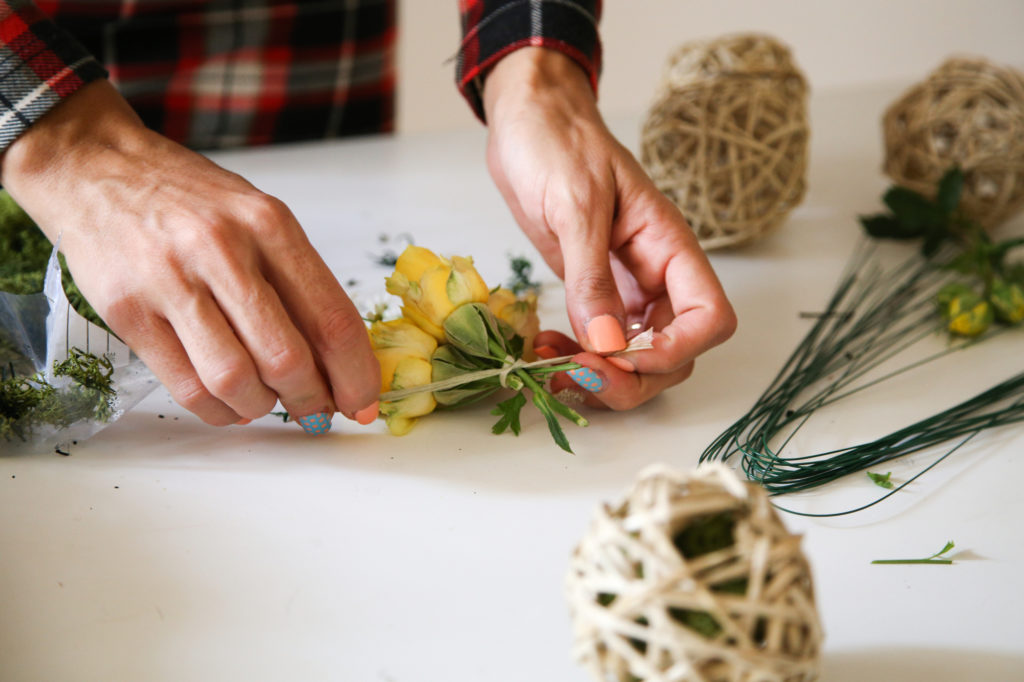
column 45, row 405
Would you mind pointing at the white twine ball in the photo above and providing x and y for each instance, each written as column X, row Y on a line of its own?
column 693, row 578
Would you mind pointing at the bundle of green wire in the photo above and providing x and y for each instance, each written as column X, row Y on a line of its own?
column 875, row 314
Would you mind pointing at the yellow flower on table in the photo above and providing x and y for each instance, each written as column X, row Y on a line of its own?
column 403, row 351
column 432, row 287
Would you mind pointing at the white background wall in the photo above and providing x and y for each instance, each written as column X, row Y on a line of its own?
column 836, row 43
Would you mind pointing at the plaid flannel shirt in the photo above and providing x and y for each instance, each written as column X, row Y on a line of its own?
column 223, row 73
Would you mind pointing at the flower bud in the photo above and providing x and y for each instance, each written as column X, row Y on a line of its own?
column 403, row 351
column 968, row 314
column 520, row 314
column 432, row 287
column 1007, row 300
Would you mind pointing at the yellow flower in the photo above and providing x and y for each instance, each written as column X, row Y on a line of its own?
column 403, row 351
column 969, row 315
column 518, row 313
column 432, row 287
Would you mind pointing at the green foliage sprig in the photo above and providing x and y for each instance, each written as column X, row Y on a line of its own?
column 936, row 558
column 478, row 342
column 990, row 288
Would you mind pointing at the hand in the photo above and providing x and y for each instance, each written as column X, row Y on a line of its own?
column 628, row 258
column 210, row 281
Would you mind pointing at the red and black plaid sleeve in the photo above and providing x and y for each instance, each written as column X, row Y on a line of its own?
column 40, row 65
column 493, row 28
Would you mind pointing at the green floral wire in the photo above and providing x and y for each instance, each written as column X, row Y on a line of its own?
column 852, row 341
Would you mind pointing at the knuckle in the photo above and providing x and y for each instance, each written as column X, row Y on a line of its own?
column 340, row 327
column 267, row 215
column 724, row 322
column 228, row 380
column 281, row 364
column 191, row 394
column 594, row 284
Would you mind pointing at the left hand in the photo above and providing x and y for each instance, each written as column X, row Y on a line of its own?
column 628, row 258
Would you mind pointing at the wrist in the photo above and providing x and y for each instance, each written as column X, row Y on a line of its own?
column 536, row 74
column 95, row 118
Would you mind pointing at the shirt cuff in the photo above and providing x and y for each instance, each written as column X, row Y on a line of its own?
column 492, row 29
column 40, row 66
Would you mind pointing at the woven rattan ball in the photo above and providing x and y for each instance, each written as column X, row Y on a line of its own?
column 968, row 112
column 693, row 578
column 726, row 138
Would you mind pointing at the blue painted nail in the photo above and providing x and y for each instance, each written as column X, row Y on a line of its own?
column 315, row 424
column 587, row 378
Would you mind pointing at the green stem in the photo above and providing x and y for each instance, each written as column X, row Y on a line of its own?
column 551, row 401
column 912, row 561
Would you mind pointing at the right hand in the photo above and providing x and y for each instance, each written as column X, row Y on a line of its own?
column 210, row 281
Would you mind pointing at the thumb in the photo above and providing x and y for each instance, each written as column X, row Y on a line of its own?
column 591, row 295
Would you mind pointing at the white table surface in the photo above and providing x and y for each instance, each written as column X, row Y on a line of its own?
column 164, row 549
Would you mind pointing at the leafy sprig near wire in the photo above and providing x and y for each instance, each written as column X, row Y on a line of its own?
column 990, row 287
column 914, row 216
column 937, row 558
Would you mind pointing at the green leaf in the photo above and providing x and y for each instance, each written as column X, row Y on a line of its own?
column 951, row 187
column 509, row 411
column 553, row 426
column 882, row 226
column 936, row 558
column 881, row 480
column 911, row 209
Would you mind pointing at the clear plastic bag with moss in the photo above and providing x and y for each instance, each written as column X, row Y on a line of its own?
column 62, row 377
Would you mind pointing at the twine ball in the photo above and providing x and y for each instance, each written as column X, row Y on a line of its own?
column 693, row 578
column 968, row 112
column 727, row 135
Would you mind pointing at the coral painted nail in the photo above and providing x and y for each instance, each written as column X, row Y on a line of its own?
column 315, row 424
column 605, row 334
column 369, row 413
column 546, row 352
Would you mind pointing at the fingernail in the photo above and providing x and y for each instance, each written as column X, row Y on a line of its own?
column 605, row 334
column 243, row 422
column 315, row 424
column 587, row 378
column 622, row 363
column 546, row 352
column 369, row 413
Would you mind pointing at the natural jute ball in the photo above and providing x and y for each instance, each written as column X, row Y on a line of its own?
column 693, row 578
column 968, row 112
column 726, row 138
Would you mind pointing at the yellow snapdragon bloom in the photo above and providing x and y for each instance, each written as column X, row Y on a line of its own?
column 432, row 287
column 403, row 351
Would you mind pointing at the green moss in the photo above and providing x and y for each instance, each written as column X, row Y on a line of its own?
column 29, row 402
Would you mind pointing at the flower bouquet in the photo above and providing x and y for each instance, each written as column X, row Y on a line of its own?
column 458, row 342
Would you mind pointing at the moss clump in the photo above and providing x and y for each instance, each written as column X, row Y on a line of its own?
column 27, row 403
